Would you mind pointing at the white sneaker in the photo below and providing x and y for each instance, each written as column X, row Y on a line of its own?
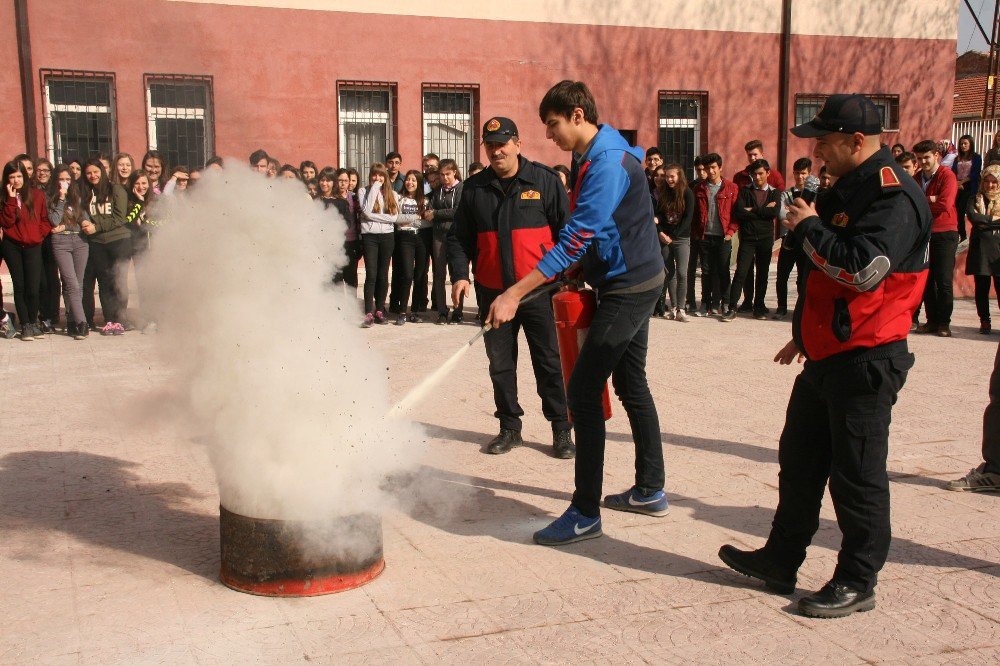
column 681, row 316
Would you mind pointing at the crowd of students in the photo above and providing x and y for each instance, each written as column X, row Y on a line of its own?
column 698, row 222
column 80, row 224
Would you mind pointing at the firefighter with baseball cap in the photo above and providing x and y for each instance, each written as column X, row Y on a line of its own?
column 509, row 216
column 862, row 276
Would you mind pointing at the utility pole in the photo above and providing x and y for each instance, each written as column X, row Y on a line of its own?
column 990, row 101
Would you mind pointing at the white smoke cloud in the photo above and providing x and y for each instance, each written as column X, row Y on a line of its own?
column 270, row 363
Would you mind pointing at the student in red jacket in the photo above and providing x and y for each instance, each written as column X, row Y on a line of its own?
column 941, row 188
column 713, row 230
column 25, row 222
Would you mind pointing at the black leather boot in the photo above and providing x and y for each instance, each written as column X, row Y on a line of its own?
column 505, row 441
column 756, row 564
column 836, row 600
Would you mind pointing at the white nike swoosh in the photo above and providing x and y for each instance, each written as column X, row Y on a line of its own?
column 578, row 531
column 632, row 501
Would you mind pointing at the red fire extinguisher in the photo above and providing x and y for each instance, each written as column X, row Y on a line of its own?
column 574, row 310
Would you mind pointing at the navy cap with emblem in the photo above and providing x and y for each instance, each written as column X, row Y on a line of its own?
column 844, row 114
column 499, row 130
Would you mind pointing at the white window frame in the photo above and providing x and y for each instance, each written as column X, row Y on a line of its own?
column 154, row 113
column 50, row 108
column 370, row 117
column 448, row 119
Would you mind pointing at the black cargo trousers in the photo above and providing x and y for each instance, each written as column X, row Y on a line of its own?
column 837, row 430
column 536, row 318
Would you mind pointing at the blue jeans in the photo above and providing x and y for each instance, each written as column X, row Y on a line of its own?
column 615, row 347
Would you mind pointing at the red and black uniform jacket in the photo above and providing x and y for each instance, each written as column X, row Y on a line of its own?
column 506, row 232
column 865, row 263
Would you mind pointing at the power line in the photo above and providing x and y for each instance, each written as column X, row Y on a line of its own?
column 979, row 25
column 972, row 34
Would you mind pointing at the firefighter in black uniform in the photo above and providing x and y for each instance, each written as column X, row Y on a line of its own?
column 863, row 270
column 508, row 217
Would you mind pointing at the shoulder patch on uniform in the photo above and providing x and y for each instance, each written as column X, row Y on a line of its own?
column 840, row 220
column 531, row 194
column 889, row 178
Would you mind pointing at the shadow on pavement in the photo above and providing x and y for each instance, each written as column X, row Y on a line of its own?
column 753, row 452
column 102, row 501
column 482, row 438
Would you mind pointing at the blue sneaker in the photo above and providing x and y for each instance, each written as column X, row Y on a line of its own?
column 570, row 527
column 631, row 500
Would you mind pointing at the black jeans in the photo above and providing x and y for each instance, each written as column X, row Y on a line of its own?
column 715, row 252
column 349, row 273
column 991, row 421
column 939, row 297
column 378, row 253
column 25, row 265
column 752, row 254
column 48, row 299
column 107, row 265
column 982, row 283
column 786, row 262
column 615, row 347
column 439, row 255
column 536, row 318
column 837, row 430
column 409, row 268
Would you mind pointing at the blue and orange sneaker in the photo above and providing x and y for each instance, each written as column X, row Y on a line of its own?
column 630, row 500
column 570, row 527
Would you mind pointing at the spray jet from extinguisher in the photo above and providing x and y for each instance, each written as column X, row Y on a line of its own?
column 421, row 390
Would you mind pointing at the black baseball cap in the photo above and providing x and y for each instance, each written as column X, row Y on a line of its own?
column 499, row 130
column 846, row 114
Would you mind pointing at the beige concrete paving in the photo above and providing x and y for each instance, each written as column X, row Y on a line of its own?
column 109, row 540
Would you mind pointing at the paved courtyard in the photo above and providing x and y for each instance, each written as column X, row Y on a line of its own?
column 109, row 540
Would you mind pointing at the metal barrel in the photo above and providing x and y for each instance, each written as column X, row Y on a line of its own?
column 268, row 557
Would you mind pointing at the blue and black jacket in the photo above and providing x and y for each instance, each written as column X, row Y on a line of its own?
column 611, row 219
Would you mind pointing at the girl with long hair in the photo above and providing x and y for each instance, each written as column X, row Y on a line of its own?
column 968, row 166
column 675, row 212
column 48, row 295
column 25, row 222
column 75, row 165
column 110, row 247
column 122, row 167
column 66, row 212
column 355, row 179
column 156, row 168
column 379, row 212
column 338, row 183
column 411, row 249
column 307, row 170
column 983, row 259
column 140, row 225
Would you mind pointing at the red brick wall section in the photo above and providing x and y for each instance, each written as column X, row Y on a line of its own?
column 12, row 127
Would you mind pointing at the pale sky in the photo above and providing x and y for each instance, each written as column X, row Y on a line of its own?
column 969, row 37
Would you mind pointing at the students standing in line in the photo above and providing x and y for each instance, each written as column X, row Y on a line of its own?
column 410, row 253
column 675, row 212
column 110, row 247
column 968, row 166
column 66, row 212
column 444, row 203
column 983, row 259
column 25, row 222
column 140, row 226
column 379, row 210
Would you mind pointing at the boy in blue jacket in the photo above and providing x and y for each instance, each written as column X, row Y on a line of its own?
column 611, row 228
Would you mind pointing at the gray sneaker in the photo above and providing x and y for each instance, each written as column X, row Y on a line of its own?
column 976, row 481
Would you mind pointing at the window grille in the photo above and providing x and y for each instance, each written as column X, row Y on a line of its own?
column 807, row 106
column 450, row 123
column 683, row 131
column 79, row 114
column 179, row 117
column 366, row 119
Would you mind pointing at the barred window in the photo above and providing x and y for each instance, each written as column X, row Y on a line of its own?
column 366, row 118
column 449, row 123
column 683, row 122
column 179, row 116
column 79, row 114
column 807, row 106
